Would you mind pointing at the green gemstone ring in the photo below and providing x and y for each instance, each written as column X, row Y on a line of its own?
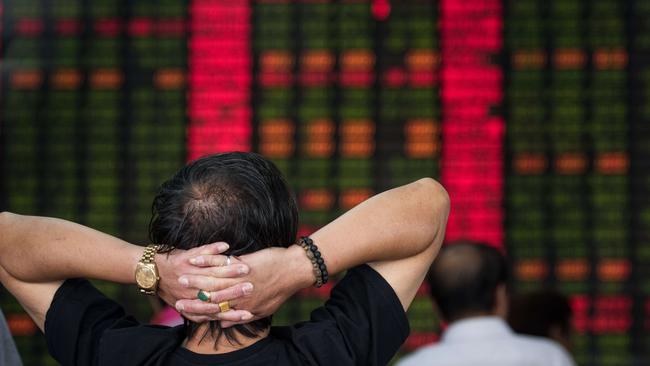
column 203, row 296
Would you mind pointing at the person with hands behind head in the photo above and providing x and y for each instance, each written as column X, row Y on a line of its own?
column 228, row 290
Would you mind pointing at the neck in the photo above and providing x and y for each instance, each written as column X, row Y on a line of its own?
column 207, row 345
column 472, row 314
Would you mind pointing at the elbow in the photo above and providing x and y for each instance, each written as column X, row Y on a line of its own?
column 436, row 197
column 436, row 206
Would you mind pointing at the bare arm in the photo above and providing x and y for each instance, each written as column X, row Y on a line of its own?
column 37, row 253
column 398, row 232
column 40, row 249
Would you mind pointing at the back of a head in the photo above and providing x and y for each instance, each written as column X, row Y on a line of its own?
column 464, row 279
column 239, row 198
column 539, row 313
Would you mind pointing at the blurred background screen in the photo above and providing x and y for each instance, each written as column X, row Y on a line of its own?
column 535, row 114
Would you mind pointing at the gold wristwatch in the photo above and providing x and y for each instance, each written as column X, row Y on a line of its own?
column 146, row 272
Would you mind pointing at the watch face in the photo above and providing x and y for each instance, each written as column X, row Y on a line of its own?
column 145, row 277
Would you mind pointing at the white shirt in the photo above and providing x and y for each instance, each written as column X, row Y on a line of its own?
column 488, row 341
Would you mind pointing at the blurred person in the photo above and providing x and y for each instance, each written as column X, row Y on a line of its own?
column 544, row 313
column 468, row 287
column 386, row 243
column 8, row 352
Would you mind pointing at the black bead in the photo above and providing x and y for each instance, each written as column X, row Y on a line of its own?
column 320, row 260
column 325, row 278
column 322, row 267
column 317, row 254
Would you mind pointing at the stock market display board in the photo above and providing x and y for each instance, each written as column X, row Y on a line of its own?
column 533, row 113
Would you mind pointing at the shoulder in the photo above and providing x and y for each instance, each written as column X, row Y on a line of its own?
column 362, row 322
column 364, row 297
column 555, row 353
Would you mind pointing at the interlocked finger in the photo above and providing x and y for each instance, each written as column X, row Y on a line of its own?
column 213, row 260
column 213, row 279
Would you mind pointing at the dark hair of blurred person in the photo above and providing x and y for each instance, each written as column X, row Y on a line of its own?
column 544, row 313
column 469, row 280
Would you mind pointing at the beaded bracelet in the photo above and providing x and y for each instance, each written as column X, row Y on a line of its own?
column 320, row 269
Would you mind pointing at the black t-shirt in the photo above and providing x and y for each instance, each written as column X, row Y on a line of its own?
column 363, row 323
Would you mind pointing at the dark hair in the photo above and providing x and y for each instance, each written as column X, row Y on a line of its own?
column 239, row 198
column 464, row 278
column 535, row 313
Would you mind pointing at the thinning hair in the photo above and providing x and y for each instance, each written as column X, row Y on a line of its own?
column 464, row 279
column 239, row 198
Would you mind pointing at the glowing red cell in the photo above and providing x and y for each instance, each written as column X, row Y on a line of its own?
column 66, row 79
column 29, row 27
column 572, row 269
column 352, row 197
column 108, row 27
column 356, row 78
column 394, row 77
column 530, row 163
column 615, row 59
column 317, row 61
column 529, row 59
column 569, row 58
column 531, row 270
column 613, row 163
column 26, row 79
column 169, row 78
column 106, row 79
column 380, row 9
column 571, row 163
column 68, row 27
column 317, row 199
column 140, row 27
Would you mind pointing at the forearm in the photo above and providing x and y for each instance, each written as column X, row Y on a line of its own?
column 39, row 249
column 395, row 224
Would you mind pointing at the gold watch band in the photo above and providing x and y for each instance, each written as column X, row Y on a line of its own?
column 149, row 253
column 148, row 257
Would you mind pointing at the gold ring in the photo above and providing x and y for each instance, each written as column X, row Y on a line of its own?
column 203, row 296
column 224, row 306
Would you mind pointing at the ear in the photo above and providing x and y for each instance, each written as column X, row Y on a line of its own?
column 501, row 301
